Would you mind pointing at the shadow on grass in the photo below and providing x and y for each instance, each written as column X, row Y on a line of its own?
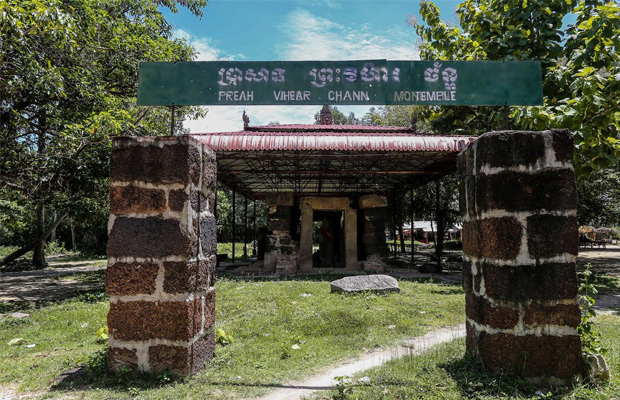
column 92, row 295
column 474, row 381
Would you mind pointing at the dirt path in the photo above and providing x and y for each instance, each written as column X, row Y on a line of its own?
column 41, row 285
column 414, row 346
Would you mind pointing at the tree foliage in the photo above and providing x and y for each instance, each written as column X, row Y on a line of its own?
column 68, row 82
column 580, row 61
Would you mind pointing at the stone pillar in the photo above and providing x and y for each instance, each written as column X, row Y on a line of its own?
column 374, row 209
column 518, row 200
column 350, row 231
column 305, row 241
column 161, row 254
column 282, row 250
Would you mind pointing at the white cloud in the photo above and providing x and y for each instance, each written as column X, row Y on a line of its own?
column 204, row 47
column 316, row 38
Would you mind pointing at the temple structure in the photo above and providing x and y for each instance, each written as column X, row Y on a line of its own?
column 327, row 185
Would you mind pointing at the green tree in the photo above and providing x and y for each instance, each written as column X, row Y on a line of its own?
column 338, row 117
column 581, row 68
column 68, row 81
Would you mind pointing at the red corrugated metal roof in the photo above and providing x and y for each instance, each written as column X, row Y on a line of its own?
column 322, row 140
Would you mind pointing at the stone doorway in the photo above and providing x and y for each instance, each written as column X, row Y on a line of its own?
column 337, row 234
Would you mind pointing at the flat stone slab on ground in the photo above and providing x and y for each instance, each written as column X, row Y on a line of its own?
column 365, row 283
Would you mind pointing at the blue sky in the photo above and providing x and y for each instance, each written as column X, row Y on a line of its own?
column 291, row 30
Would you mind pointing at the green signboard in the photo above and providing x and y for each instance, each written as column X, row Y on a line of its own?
column 367, row 82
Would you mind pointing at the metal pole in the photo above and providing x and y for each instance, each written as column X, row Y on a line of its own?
column 234, row 231
column 172, row 120
column 254, row 240
column 245, row 227
column 506, row 116
column 394, row 222
column 411, row 226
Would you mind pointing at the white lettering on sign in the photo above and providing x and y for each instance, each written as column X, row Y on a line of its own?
column 232, row 76
column 448, row 75
column 291, row 95
column 355, row 95
column 443, row 95
column 235, row 95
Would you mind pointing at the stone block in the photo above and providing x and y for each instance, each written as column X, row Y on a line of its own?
column 563, row 145
column 509, row 149
column 535, row 282
column 120, row 357
column 188, row 276
column 200, row 202
column 147, row 237
column 498, row 238
column 136, row 200
column 365, row 283
column 123, row 279
column 182, row 360
column 326, row 203
column 208, row 235
column 280, row 199
column 177, row 200
column 176, row 161
column 209, row 172
column 561, row 314
column 372, row 201
column 145, row 320
column 209, row 309
column 550, row 235
column 481, row 311
column 516, row 191
column 532, row 356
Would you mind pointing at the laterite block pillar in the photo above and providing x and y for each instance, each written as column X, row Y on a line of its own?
column 518, row 200
column 161, row 254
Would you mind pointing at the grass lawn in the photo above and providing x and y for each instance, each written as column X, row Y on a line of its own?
column 446, row 372
column 282, row 330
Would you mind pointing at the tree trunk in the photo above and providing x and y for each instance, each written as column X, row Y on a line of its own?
column 38, row 255
column 72, row 227
column 18, row 253
column 439, row 236
column 402, row 239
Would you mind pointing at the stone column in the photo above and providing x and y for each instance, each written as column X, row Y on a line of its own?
column 305, row 241
column 161, row 254
column 282, row 250
column 350, row 231
column 374, row 209
column 518, row 200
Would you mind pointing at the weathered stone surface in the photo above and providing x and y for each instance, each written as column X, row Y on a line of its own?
column 326, row 203
column 480, row 310
column 199, row 201
column 144, row 320
column 550, row 235
column 210, row 309
column 509, row 148
column 365, row 283
column 493, row 237
column 280, row 199
column 172, row 163
column 208, row 235
column 209, row 173
column 177, row 200
column 532, row 356
column 180, row 359
column 122, row 279
column 372, row 201
column 562, row 314
column 120, row 357
column 279, row 218
column 188, row 277
column 563, row 145
column 131, row 199
column 596, row 368
column 516, row 191
column 540, row 282
column 146, row 237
